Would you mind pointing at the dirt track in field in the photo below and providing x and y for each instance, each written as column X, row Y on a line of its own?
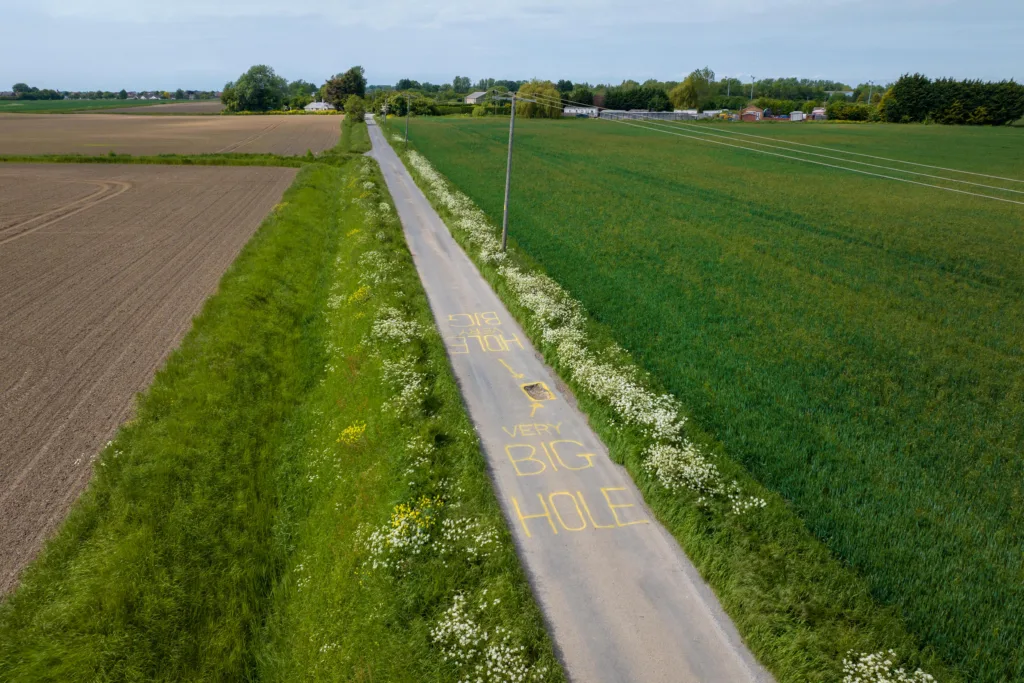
column 101, row 270
column 200, row 107
column 98, row 134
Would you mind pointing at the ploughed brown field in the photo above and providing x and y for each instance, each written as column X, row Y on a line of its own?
column 184, row 107
column 142, row 134
column 101, row 270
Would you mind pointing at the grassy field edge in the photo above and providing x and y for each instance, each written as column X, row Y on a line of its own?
column 306, row 434
column 802, row 612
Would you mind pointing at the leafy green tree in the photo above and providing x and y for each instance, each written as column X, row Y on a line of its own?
column 685, row 95
column 123, row 94
column 422, row 106
column 21, row 89
column 355, row 108
column 581, row 94
column 461, row 84
column 179, row 94
column 300, row 93
column 979, row 117
column 229, row 97
column 548, row 105
column 694, row 91
column 909, row 99
column 340, row 86
column 658, row 101
column 564, row 86
column 258, row 89
column 301, row 87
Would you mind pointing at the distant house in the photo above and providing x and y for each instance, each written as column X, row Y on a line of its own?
column 319, row 106
column 691, row 112
column 796, row 116
column 752, row 113
column 475, row 97
column 581, row 112
column 818, row 114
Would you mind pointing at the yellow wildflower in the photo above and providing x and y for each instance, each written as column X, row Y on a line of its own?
column 351, row 434
column 360, row 295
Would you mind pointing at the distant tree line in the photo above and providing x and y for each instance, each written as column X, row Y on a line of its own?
column 22, row 91
column 911, row 99
column 261, row 89
column 916, row 98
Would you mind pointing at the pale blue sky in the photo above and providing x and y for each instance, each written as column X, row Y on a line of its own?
column 135, row 44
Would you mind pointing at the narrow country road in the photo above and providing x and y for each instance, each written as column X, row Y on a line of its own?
column 622, row 601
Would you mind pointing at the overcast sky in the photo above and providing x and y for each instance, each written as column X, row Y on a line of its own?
column 147, row 44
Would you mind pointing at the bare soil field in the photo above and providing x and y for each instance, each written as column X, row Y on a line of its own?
column 200, row 107
column 142, row 134
column 101, row 270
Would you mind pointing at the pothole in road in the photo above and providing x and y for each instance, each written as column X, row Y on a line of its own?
column 538, row 392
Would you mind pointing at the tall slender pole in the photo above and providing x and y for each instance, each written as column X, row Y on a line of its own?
column 406, row 120
column 752, row 80
column 508, row 174
column 871, row 90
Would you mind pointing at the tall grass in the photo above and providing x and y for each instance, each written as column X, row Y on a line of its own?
column 354, row 137
column 854, row 343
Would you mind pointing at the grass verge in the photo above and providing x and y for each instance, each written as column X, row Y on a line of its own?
column 300, row 495
column 401, row 527
column 801, row 611
column 354, row 137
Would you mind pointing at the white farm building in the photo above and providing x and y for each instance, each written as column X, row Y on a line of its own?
column 589, row 112
column 319, row 106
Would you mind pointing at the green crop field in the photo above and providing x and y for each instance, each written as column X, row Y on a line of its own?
column 855, row 341
column 59, row 106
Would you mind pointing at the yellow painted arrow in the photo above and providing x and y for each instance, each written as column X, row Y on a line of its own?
column 509, row 368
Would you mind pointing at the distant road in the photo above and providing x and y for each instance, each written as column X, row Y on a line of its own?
column 622, row 601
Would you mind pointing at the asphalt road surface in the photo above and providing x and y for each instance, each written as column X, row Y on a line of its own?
column 621, row 599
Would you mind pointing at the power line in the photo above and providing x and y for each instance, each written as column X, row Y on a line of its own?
column 822, row 163
column 717, row 133
column 841, row 151
column 872, row 156
column 708, row 139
